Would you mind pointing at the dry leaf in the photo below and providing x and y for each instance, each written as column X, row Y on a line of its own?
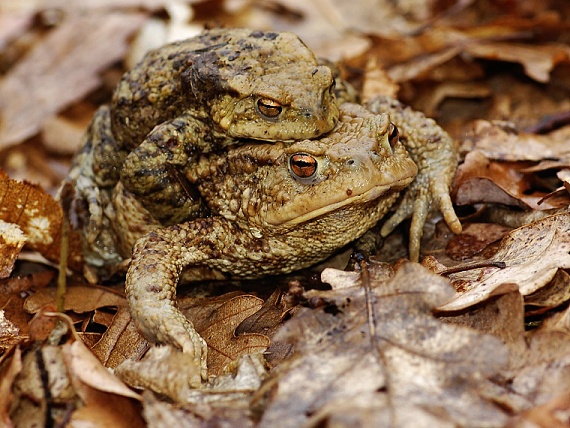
column 532, row 254
column 405, row 374
column 78, row 298
column 475, row 238
column 217, row 325
column 538, row 60
column 88, row 370
column 554, row 294
column 60, row 70
column 120, row 341
column 480, row 180
column 10, row 367
column 500, row 141
column 75, row 384
column 40, row 218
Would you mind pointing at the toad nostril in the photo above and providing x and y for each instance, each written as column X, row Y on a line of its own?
column 351, row 162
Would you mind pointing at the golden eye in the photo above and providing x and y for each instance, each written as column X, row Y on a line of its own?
column 393, row 134
column 268, row 108
column 303, row 165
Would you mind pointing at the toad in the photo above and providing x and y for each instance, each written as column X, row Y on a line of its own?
column 195, row 96
column 275, row 208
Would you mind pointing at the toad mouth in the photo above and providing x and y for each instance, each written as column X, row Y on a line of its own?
column 362, row 198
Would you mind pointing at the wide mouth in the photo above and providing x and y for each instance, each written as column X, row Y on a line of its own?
column 369, row 195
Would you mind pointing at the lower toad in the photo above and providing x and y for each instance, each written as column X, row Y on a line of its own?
column 275, row 208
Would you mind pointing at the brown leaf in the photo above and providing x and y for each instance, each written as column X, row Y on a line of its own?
column 106, row 400
column 164, row 370
column 538, row 60
column 76, row 385
column 532, row 254
column 217, row 324
column 474, row 238
column 500, row 141
column 40, row 218
column 88, row 370
column 397, row 363
column 78, row 298
column 480, row 180
column 120, row 341
column 60, row 70
column 552, row 295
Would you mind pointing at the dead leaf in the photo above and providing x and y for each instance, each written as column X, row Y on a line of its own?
column 89, row 371
column 398, row 376
column 76, row 385
column 61, row 70
column 474, row 238
column 217, row 323
column 552, row 295
column 78, row 298
column 164, row 370
column 120, row 341
column 10, row 367
column 500, row 141
column 537, row 60
column 40, row 218
column 479, row 180
column 502, row 317
column 532, row 254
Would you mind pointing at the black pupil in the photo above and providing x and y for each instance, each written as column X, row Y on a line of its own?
column 303, row 164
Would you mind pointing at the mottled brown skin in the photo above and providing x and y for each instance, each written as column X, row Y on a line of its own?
column 195, row 96
column 264, row 219
column 248, row 215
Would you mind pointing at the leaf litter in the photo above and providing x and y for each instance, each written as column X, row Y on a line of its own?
column 387, row 345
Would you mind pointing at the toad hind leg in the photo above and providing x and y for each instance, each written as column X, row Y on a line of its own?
column 158, row 260
column 151, row 292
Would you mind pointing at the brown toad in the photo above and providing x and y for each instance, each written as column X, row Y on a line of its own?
column 275, row 208
column 195, row 96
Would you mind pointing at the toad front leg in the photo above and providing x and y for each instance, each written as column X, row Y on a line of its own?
column 153, row 172
column 435, row 153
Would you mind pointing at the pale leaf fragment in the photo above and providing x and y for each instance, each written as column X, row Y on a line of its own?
column 11, row 242
column 9, row 370
column 88, row 370
column 533, row 254
column 164, row 370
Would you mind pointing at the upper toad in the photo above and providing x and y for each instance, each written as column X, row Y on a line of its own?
column 198, row 95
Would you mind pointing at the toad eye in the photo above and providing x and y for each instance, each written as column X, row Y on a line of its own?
column 303, row 166
column 268, row 108
column 393, row 134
